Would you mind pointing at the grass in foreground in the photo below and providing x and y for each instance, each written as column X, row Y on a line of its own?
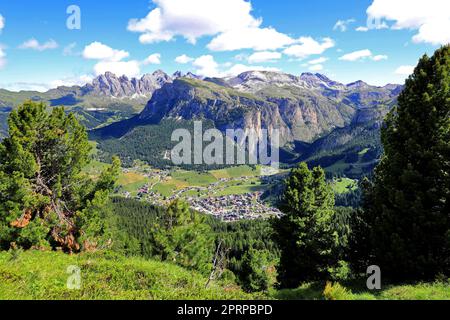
column 38, row 275
column 43, row 276
column 335, row 291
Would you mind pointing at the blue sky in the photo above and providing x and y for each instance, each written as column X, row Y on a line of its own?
column 217, row 38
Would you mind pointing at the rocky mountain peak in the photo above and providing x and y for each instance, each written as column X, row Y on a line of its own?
column 109, row 84
column 358, row 84
column 253, row 81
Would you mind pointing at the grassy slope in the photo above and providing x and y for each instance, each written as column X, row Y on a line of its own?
column 43, row 275
column 419, row 291
column 344, row 185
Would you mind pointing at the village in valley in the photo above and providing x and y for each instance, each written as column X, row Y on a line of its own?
column 231, row 194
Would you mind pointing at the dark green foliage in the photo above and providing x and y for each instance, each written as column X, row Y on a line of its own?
column 309, row 233
column 408, row 205
column 175, row 234
column 44, row 196
column 255, row 268
column 182, row 236
column 350, row 199
column 135, row 221
column 241, row 237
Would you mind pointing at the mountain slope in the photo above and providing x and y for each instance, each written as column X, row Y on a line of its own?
column 104, row 276
column 321, row 121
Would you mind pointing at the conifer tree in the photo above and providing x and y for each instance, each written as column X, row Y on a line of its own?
column 307, row 234
column 408, row 206
column 45, row 198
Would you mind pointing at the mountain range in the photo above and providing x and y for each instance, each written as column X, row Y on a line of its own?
column 320, row 120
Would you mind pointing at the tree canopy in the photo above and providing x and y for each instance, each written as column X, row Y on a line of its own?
column 408, row 206
column 45, row 198
column 307, row 234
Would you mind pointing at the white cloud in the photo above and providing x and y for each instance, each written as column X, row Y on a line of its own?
column 183, row 59
column 128, row 68
column 357, row 55
column 258, row 39
column 111, row 60
column 308, row 46
column 342, row 25
column 99, row 51
column 362, row 29
column 68, row 50
column 33, row 44
column 206, row 66
column 264, row 56
column 193, row 19
column 379, row 57
column 240, row 68
column 318, row 61
column 431, row 18
column 2, row 23
column 153, row 59
column 230, row 23
column 71, row 81
column 316, row 67
column 405, row 70
column 362, row 55
column 2, row 58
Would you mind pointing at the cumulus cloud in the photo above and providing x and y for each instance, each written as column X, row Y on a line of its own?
column 127, row 68
column 430, row 18
column 111, row 60
column 264, row 56
column 405, row 70
column 153, row 59
column 193, row 19
column 250, row 38
column 342, row 25
column 34, row 44
column 99, row 51
column 308, row 46
column 2, row 23
column 230, row 23
column 362, row 55
column 183, row 59
column 206, row 66
column 316, row 67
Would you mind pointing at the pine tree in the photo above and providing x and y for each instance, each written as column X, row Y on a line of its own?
column 307, row 234
column 182, row 236
column 409, row 203
column 45, row 199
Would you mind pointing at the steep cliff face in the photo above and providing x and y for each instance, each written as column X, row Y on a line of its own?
column 191, row 99
column 302, row 108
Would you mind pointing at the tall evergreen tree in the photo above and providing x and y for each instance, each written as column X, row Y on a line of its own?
column 409, row 204
column 307, row 234
column 44, row 196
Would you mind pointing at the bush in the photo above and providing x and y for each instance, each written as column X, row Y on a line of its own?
column 334, row 291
